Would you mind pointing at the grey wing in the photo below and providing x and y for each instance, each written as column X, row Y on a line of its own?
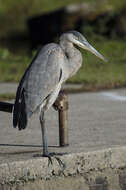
column 43, row 77
column 38, row 82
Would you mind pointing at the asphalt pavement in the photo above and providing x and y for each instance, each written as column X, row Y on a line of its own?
column 97, row 120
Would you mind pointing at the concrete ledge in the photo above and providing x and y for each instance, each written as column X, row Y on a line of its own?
column 96, row 170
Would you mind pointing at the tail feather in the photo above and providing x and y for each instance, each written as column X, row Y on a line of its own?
column 16, row 114
column 19, row 113
column 16, row 109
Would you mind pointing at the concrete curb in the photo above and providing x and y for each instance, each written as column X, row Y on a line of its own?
column 12, row 87
column 104, row 169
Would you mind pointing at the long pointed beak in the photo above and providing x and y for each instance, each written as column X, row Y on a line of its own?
column 87, row 46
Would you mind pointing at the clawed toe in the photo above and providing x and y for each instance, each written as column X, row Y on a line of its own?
column 51, row 162
column 60, row 162
column 49, row 158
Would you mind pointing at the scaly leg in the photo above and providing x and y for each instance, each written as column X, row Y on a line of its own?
column 44, row 141
column 43, row 130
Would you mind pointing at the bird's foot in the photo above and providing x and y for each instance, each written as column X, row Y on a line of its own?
column 62, row 165
column 49, row 158
column 50, row 155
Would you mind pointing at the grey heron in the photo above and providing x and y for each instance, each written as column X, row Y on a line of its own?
column 42, row 81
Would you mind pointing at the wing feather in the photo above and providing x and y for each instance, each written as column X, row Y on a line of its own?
column 38, row 82
column 43, row 76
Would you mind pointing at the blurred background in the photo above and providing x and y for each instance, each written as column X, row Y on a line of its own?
column 27, row 25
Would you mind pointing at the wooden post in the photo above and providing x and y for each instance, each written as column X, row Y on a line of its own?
column 61, row 104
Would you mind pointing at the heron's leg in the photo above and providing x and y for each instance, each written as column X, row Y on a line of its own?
column 43, row 130
column 44, row 142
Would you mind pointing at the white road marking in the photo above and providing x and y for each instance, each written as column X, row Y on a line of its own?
column 114, row 96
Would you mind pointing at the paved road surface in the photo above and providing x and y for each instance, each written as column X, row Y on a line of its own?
column 96, row 121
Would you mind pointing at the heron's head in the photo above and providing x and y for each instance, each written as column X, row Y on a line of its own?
column 78, row 39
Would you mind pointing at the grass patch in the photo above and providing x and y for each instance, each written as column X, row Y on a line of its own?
column 93, row 73
column 97, row 74
column 7, row 96
column 12, row 67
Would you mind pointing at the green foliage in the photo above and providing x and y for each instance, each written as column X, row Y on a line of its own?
column 94, row 74
column 7, row 96
column 39, row 6
column 34, row 6
column 11, row 11
column 11, row 66
column 4, row 53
